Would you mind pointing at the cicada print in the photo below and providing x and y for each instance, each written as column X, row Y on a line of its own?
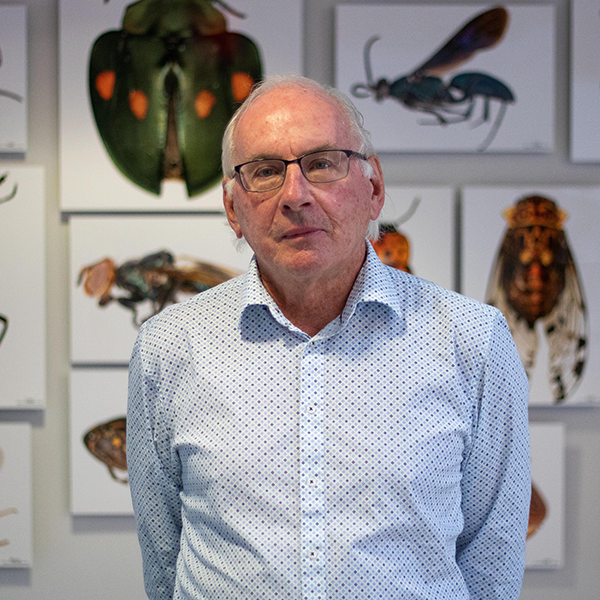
column 535, row 279
column 393, row 247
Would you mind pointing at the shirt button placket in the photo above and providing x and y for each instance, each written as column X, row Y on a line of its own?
column 312, row 456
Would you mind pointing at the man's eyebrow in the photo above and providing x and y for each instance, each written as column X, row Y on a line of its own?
column 263, row 156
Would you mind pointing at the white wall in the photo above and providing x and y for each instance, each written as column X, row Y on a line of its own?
column 98, row 558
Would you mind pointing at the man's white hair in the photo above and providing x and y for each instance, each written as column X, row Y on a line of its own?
column 354, row 121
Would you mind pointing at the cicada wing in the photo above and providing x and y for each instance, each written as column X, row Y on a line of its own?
column 484, row 31
column 524, row 336
column 566, row 329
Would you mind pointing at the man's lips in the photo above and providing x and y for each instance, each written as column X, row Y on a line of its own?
column 297, row 232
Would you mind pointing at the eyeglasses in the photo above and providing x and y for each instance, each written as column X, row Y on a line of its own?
column 268, row 174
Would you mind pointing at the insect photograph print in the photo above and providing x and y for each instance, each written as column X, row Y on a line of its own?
column 158, row 279
column 147, row 89
column 98, row 446
column 15, row 496
column 545, row 548
column 533, row 254
column 22, row 315
column 13, row 79
column 585, row 81
column 124, row 269
column 442, row 78
column 416, row 232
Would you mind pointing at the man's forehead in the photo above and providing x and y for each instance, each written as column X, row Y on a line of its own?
column 291, row 110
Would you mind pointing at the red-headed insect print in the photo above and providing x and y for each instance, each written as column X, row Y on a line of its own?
column 442, row 78
column 147, row 89
column 532, row 253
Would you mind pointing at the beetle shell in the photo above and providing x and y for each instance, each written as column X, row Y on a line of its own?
column 164, row 88
column 107, row 442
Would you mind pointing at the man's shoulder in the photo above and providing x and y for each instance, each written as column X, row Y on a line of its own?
column 213, row 305
column 424, row 297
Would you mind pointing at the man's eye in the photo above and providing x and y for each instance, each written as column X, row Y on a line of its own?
column 320, row 164
column 266, row 171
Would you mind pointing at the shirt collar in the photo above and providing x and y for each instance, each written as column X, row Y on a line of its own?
column 375, row 283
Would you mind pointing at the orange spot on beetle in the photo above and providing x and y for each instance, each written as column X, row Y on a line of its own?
column 204, row 104
column 138, row 103
column 241, row 84
column 105, row 84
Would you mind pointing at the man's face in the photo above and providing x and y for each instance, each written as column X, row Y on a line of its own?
column 302, row 229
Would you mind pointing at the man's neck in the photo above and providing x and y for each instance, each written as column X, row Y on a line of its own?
column 311, row 303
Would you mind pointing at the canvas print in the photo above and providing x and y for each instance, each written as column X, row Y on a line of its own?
column 98, row 406
column 545, row 537
column 23, row 290
column 147, row 88
column 533, row 253
column 124, row 269
column 15, row 495
column 13, row 79
column 442, row 78
column 585, row 81
column 417, row 232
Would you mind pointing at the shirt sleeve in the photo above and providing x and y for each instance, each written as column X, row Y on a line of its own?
column 154, row 474
column 496, row 484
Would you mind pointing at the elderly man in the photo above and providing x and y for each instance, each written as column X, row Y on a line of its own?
column 324, row 426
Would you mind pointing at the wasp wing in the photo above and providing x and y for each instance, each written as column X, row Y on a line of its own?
column 525, row 336
column 484, row 31
column 566, row 330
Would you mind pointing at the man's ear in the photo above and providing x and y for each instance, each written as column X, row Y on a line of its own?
column 378, row 187
column 228, row 203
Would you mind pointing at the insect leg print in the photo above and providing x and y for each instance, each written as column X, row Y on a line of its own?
column 164, row 87
column 535, row 278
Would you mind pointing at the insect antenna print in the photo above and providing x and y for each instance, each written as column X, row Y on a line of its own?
column 9, row 196
column 535, row 279
column 392, row 246
column 453, row 102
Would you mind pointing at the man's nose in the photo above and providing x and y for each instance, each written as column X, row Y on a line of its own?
column 295, row 190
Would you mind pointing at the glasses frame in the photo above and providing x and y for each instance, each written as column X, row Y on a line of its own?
column 348, row 153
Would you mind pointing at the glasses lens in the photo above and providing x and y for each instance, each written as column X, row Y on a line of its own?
column 263, row 175
column 325, row 166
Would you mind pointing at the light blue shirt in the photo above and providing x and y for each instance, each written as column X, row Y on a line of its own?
column 386, row 457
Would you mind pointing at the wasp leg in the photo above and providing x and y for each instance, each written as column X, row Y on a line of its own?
column 492, row 134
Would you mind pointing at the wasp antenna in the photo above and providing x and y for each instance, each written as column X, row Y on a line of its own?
column 230, row 10
column 367, row 59
column 360, row 90
column 409, row 213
